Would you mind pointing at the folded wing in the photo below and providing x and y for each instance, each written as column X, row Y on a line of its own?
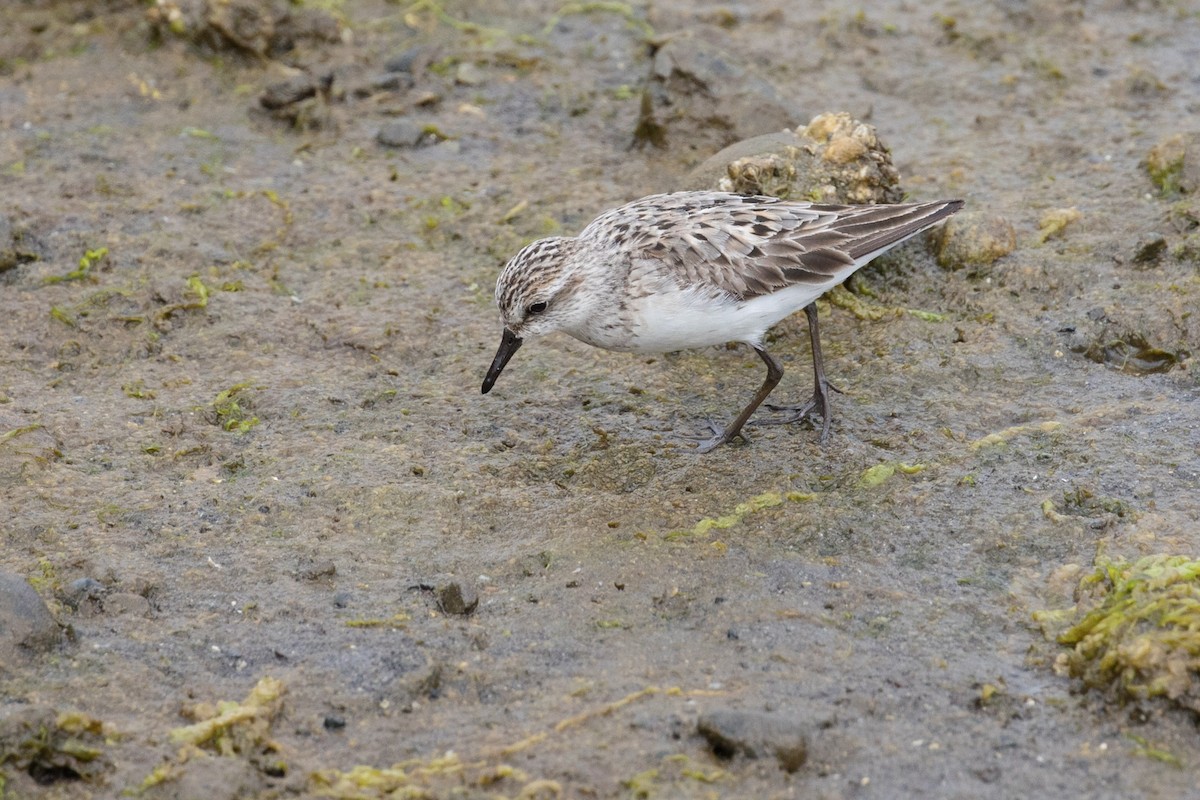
column 748, row 246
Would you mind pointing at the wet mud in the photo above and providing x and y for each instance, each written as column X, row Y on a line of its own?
column 247, row 254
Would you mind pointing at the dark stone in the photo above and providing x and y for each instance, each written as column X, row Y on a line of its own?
column 285, row 93
column 334, row 722
column 1149, row 249
column 25, row 622
column 755, row 735
column 452, row 600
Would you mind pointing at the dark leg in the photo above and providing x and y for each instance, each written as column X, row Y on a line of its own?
column 819, row 402
column 774, row 373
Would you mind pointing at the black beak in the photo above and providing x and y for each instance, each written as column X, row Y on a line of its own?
column 509, row 344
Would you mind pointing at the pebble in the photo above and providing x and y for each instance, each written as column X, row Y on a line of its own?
column 293, row 90
column 317, row 570
column 401, row 133
column 25, row 621
column 973, row 239
column 755, row 735
column 83, row 589
column 452, row 600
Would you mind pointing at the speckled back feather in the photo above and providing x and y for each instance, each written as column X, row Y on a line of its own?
column 748, row 246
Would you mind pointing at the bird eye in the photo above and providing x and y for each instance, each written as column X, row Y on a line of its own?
column 536, row 308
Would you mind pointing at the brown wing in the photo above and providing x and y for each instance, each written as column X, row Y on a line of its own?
column 751, row 245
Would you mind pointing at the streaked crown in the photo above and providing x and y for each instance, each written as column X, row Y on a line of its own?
column 531, row 281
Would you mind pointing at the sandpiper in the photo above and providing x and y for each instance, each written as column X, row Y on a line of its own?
column 691, row 269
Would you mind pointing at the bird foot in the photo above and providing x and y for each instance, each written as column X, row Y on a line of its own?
column 720, row 436
column 792, row 413
column 816, row 406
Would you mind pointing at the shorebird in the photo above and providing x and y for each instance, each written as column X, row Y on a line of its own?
column 690, row 269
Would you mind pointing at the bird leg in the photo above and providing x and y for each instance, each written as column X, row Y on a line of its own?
column 819, row 402
column 734, row 429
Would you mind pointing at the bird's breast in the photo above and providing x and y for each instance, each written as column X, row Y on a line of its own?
column 684, row 319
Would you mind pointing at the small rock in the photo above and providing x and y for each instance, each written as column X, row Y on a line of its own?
column 341, row 599
column 334, row 723
column 452, row 600
column 755, row 735
column 1149, row 249
column 973, row 239
column 83, row 589
column 25, row 622
column 292, row 90
column 412, row 60
column 315, row 571
column 302, row 102
column 401, row 133
column 835, row 158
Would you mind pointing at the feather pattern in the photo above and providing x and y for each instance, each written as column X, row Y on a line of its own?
column 749, row 245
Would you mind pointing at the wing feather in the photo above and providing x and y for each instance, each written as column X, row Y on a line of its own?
column 746, row 246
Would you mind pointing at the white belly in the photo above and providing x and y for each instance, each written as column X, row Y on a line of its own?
column 680, row 320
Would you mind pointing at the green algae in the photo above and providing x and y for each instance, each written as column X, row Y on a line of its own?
column 874, row 476
column 1135, row 631
column 90, row 259
column 231, row 407
column 739, row 512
